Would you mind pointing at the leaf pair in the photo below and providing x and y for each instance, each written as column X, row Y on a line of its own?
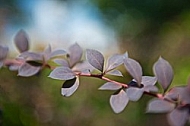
column 119, row 100
column 96, row 59
column 135, row 91
column 162, row 70
column 178, row 114
column 74, row 61
column 31, row 61
column 67, row 69
column 49, row 54
column 147, row 85
column 34, row 61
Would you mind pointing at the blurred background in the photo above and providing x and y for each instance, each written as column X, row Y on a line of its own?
column 146, row 30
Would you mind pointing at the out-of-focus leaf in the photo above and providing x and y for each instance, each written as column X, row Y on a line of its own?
column 21, row 41
column 31, row 56
column 47, row 50
column 85, row 71
column 83, row 66
column 3, row 52
column 113, row 62
column 27, row 70
column 46, row 53
column 134, row 94
column 181, row 93
column 119, row 101
column 62, row 73
column 95, row 58
column 159, row 106
column 61, row 62
column 147, row 83
column 75, row 54
column 110, row 86
column 115, row 73
column 57, row 53
column 69, row 87
column 150, row 88
column 178, row 117
column 134, row 69
column 14, row 67
column 174, row 93
column 148, row 80
column 164, row 73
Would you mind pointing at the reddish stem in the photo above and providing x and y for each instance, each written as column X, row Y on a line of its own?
column 100, row 76
column 9, row 62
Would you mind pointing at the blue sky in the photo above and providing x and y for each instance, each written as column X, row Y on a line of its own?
column 62, row 24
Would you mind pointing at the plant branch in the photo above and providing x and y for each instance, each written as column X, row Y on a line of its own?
column 100, row 76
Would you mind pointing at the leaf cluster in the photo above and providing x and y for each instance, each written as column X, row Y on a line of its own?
column 70, row 66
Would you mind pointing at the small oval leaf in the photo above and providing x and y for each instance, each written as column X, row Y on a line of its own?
column 31, row 56
column 134, row 69
column 159, row 106
column 110, row 86
column 57, row 53
column 69, row 87
column 62, row 73
column 46, row 52
column 115, row 73
column 148, row 80
column 178, row 117
column 134, row 94
column 119, row 101
column 61, row 62
column 75, row 54
column 83, row 66
column 164, row 72
column 95, row 58
column 150, row 88
column 14, row 67
column 27, row 70
column 113, row 62
column 21, row 41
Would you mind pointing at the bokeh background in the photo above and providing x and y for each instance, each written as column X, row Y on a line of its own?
column 146, row 29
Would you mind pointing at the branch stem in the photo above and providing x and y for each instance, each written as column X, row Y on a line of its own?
column 100, row 76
